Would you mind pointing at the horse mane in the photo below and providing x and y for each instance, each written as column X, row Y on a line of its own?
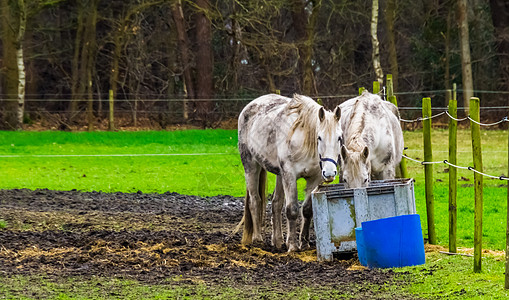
column 357, row 123
column 307, row 120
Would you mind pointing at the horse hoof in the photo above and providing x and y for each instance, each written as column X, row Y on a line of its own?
column 304, row 246
column 258, row 244
column 293, row 248
column 277, row 246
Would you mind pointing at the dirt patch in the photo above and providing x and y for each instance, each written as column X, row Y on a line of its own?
column 153, row 238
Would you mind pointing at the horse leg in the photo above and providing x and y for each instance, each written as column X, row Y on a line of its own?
column 292, row 210
column 277, row 207
column 307, row 212
column 252, row 223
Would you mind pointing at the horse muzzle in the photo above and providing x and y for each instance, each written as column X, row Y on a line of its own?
column 329, row 179
column 327, row 174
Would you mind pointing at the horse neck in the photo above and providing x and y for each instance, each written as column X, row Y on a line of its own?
column 359, row 121
column 304, row 141
column 304, row 129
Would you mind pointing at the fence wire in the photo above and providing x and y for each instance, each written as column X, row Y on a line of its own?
column 501, row 177
column 422, row 119
column 504, row 119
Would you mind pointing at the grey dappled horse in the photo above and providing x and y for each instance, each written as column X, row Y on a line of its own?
column 292, row 138
column 373, row 140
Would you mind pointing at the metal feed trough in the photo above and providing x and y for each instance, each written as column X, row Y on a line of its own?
column 338, row 211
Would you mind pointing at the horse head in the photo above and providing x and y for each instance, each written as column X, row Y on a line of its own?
column 329, row 135
column 355, row 168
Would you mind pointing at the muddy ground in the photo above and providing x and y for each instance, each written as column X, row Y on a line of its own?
column 155, row 237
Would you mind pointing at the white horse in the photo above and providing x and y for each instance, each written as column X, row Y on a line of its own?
column 292, row 138
column 373, row 140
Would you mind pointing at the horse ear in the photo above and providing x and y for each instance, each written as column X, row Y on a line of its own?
column 321, row 114
column 365, row 153
column 337, row 113
column 344, row 153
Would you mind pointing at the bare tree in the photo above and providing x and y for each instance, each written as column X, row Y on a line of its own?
column 466, row 61
column 390, row 17
column 14, row 18
column 121, row 34
column 204, row 63
column 305, row 15
column 237, row 48
column 89, row 54
column 500, row 18
column 77, row 87
column 447, row 46
column 267, row 37
column 185, row 53
column 375, row 43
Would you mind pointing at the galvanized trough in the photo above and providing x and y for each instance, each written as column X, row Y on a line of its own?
column 338, row 211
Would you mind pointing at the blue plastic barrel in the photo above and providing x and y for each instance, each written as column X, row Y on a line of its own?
column 393, row 242
column 361, row 251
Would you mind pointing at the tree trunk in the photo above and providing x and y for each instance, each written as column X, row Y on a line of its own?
column 447, row 42
column 10, row 67
column 304, row 26
column 117, row 51
column 204, row 64
column 90, row 60
column 184, row 49
column 375, row 54
column 21, row 88
column 172, row 51
column 236, row 36
column 308, row 82
column 300, row 20
column 13, row 32
column 500, row 17
column 78, row 42
column 466, row 61
column 391, row 36
column 120, row 33
column 21, row 63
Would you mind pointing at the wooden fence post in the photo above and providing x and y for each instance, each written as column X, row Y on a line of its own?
column 453, row 172
column 376, row 87
column 506, row 285
column 478, row 180
column 389, row 84
column 454, row 92
column 111, row 124
column 428, row 170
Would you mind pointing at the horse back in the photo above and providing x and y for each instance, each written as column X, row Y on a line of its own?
column 263, row 107
column 261, row 129
column 373, row 122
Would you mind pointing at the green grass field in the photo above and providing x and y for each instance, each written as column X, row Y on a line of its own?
column 206, row 163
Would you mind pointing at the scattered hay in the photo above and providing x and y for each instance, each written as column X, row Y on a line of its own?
column 306, row 256
column 434, row 248
column 357, row 268
column 495, row 254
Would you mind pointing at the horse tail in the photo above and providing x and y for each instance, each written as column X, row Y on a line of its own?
column 247, row 221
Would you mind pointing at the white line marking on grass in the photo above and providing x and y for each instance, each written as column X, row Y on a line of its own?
column 459, row 151
column 109, row 155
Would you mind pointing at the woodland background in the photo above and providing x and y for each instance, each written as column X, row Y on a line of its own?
column 172, row 62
